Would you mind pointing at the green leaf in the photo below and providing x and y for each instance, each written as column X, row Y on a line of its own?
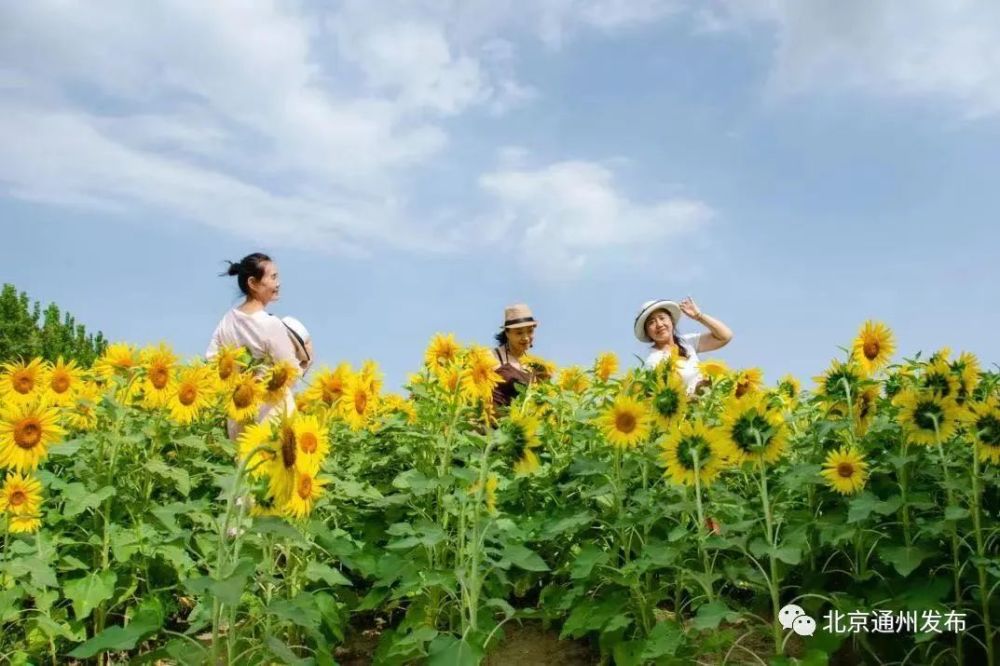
column 229, row 589
column 90, row 591
column 663, row 641
column 145, row 623
column 525, row 558
column 956, row 513
column 627, row 653
column 178, row 475
column 301, row 611
column 277, row 527
column 78, row 499
column 284, row 653
column 710, row 615
column 589, row 557
column 905, row 559
column 446, row 650
column 316, row 571
column 787, row 554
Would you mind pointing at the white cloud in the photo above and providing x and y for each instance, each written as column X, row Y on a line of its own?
column 561, row 214
column 921, row 48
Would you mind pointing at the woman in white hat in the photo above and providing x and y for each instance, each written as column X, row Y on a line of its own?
column 515, row 339
column 657, row 323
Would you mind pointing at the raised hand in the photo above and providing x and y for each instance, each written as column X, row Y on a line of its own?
column 690, row 308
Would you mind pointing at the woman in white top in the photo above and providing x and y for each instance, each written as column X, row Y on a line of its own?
column 657, row 323
column 249, row 325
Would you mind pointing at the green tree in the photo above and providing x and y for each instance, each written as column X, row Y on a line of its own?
column 27, row 331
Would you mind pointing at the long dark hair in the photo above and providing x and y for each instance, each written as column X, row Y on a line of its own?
column 250, row 266
column 501, row 337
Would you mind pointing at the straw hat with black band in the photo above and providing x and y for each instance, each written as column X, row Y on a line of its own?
column 648, row 308
column 518, row 316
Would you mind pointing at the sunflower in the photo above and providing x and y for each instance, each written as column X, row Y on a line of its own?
column 313, row 442
column 713, row 369
column 278, row 381
column 328, row 386
column 306, row 489
column 63, row 380
column 480, row 377
column 864, row 407
column 451, row 380
column 539, row 367
column 158, row 365
column 920, row 410
column 831, row 385
column 693, row 439
column 489, row 492
column 873, row 347
column 626, row 422
column 253, row 437
column 227, row 365
column 359, row 403
column 752, row 431
column 118, row 360
column 747, row 381
column 22, row 382
column 966, row 368
column 573, row 379
column 192, row 393
column 244, row 398
column 523, row 432
column 669, row 401
column 442, row 351
column 21, row 500
column 845, row 470
column 606, row 366
column 82, row 413
column 938, row 379
column 26, row 432
column 371, row 375
column 984, row 418
column 282, row 469
column 789, row 389
column 397, row 404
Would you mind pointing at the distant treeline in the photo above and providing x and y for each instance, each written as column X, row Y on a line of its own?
column 27, row 331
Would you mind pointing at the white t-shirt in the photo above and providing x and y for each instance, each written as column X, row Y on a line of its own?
column 687, row 367
column 264, row 336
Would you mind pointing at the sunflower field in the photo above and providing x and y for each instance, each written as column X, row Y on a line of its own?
column 607, row 505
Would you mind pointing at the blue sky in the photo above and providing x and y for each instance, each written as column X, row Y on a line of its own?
column 797, row 168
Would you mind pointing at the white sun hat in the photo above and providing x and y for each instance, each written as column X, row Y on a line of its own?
column 299, row 334
column 648, row 308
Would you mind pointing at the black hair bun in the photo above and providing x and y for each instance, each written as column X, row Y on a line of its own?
column 234, row 269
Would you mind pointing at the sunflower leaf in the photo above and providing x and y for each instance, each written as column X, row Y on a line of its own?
column 90, row 591
column 905, row 559
column 525, row 558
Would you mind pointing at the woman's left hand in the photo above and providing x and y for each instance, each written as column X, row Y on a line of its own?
column 690, row 308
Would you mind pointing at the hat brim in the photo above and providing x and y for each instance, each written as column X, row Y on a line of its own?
column 639, row 328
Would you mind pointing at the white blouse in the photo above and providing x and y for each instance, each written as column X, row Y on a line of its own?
column 687, row 367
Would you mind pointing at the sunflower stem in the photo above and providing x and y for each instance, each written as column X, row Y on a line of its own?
column 701, row 520
column 955, row 564
column 903, row 487
column 984, row 596
column 773, row 579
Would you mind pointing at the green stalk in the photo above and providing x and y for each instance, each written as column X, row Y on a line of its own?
column 701, row 519
column 773, row 580
column 984, row 597
column 903, row 485
column 955, row 564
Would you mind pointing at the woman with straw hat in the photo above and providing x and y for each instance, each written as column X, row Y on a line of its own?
column 515, row 339
column 657, row 323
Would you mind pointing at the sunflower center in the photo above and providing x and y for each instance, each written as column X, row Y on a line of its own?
column 243, row 396
column 187, row 395
column 360, row 402
column 751, row 432
column 625, row 422
column 741, row 388
column 158, row 377
column 871, row 349
column 938, row 383
column 308, row 442
column 304, row 486
column 23, row 383
column 227, row 367
column 18, row 497
column 332, row 392
column 845, row 470
column 288, row 447
column 689, row 449
column 278, row 379
column 28, row 433
column 59, row 384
